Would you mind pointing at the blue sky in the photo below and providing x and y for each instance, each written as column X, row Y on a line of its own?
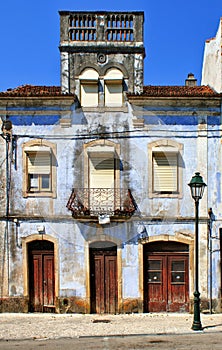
column 175, row 33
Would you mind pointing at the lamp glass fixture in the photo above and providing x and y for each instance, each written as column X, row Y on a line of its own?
column 197, row 186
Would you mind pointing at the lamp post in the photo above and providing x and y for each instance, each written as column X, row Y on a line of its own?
column 197, row 188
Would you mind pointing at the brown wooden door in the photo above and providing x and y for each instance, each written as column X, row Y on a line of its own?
column 103, row 281
column 41, row 279
column 166, row 282
column 156, row 281
column 178, row 291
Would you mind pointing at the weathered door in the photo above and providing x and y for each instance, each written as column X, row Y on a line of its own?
column 41, row 277
column 156, row 283
column 166, row 282
column 178, row 291
column 103, row 281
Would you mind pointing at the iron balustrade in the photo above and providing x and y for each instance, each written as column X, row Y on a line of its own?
column 99, row 201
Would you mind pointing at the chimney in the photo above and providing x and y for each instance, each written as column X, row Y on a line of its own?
column 190, row 81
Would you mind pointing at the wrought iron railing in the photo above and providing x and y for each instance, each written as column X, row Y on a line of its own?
column 99, row 201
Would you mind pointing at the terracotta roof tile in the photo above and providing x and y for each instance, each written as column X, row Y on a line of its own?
column 33, row 90
column 177, row 91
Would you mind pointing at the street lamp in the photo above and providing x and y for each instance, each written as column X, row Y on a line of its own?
column 197, row 189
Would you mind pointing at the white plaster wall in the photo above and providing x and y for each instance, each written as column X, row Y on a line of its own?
column 212, row 62
column 71, row 243
column 130, row 271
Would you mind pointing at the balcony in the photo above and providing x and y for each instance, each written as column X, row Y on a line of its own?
column 94, row 202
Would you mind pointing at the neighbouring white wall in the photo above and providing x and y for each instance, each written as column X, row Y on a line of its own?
column 212, row 61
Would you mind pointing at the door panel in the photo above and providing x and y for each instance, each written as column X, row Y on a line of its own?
column 99, row 284
column 177, row 283
column 156, row 280
column 48, row 280
column 110, row 284
column 36, row 295
column 103, row 281
column 166, row 283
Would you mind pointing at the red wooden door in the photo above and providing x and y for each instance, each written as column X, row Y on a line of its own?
column 156, row 281
column 41, row 280
column 178, row 292
column 103, row 281
column 48, row 281
column 166, row 286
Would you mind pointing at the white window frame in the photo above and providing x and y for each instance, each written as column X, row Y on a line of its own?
column 39, row 165
column 34, row 171
column 105, row 149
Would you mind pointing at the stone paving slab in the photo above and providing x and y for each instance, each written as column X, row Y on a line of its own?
column 54, row 326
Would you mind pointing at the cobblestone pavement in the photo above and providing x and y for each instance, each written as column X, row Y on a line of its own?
column 54, row 326
column 203, row 341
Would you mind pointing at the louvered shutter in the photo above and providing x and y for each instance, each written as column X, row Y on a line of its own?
column 102, row 172
column 165, row 172
column 113, row 93
column 89, row 94
column 39, row 163
column 113, row 87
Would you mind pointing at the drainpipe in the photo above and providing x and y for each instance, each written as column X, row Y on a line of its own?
column 210, row 213
column 211, row 251
column 6, row 135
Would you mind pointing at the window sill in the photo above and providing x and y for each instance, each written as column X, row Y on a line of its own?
column 39, row 194
column 165, row 195
column 98, row 109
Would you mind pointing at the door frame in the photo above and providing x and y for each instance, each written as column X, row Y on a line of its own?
column 103, row 256
column 101, row 238
column 166, row 258
column 179, row 238
column 25, row 242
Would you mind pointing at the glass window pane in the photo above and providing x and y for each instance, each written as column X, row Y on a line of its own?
column 33, row 181
column 154, row 265
column 154, row 277
column 178, row 265
column 45, row 182
column 177, row 277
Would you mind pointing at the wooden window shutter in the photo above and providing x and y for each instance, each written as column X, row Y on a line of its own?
column 165, row 172
column 39, row 163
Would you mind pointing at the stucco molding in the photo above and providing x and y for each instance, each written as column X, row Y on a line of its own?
column 52, row 146
column 165, row 145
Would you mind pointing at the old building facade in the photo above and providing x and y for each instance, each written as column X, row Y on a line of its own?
column 96, row 214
